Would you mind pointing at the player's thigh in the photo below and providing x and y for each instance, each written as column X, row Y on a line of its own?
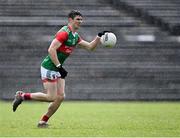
column 61, row 87
column 51, row 89
column 50, row 81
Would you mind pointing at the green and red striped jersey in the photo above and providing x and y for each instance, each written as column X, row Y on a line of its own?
column 68, row 40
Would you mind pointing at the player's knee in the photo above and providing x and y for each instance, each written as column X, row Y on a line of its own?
column 61, row 97
column 51, row 98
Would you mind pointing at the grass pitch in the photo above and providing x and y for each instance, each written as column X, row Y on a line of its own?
column 102, row 119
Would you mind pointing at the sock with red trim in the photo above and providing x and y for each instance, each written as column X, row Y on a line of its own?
column 45, row 118
column 26, row 96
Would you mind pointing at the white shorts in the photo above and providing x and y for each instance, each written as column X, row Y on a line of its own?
column 49, row 75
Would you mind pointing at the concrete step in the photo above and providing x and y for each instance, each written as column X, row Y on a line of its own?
column 15, row 44
column 99, row 53
column 51, row 6
column 63, row 22
column 124, row 94
column 99, row 83
column 120, row 89
column 143, row 49
column 111, row 56
column 99, row 63
column 170, row 73
column 56, row 12
column 104, row 60
column 69, row 2
column 108, row 94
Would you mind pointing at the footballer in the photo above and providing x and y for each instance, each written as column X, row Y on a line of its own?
column 53, row 73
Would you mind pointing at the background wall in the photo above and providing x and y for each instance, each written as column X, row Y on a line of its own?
column 144, row 65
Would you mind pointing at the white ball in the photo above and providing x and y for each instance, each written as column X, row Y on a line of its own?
column 108, row 39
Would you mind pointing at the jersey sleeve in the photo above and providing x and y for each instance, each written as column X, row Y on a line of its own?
column 79, row 39
column 61, row 36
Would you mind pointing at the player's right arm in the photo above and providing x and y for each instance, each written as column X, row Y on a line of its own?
column 60, row 38
column 55, row 44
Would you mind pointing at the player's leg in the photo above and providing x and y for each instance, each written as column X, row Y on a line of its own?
column 49, row 96
column 50, row 84
column 60, row 97
column 55, row 104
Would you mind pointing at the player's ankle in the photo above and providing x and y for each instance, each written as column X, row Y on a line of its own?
column 26, row 96
column 45, row 118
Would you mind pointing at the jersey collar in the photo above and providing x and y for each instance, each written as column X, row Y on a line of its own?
column 70, row 28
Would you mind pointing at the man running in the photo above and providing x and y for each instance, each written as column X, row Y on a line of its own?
column 52, row 72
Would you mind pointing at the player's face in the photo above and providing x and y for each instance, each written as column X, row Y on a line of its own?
column 77, row 22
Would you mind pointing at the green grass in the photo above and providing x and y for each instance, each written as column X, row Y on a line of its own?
column 110, row 119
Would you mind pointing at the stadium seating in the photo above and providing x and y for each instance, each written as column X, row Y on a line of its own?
column 136, row 69
column 163, row 13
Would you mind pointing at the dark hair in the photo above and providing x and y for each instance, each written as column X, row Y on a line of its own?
column 74, row 13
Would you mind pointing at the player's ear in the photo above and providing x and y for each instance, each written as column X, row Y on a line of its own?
column 70, row 19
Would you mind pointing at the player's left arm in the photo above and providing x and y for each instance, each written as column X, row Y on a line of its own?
column 93, row 44
column 89, row 45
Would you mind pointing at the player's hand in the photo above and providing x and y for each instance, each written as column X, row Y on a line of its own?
column 62, row 71
column 102, row 33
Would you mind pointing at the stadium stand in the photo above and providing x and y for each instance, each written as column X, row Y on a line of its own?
column 163, row 13
column 143, row 66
